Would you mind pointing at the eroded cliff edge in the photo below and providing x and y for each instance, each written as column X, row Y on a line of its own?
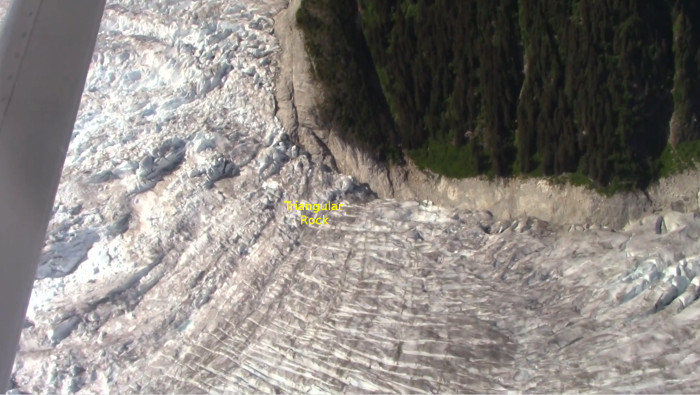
column 297, row 94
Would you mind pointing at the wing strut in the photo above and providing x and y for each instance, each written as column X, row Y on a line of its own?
column 45, row 51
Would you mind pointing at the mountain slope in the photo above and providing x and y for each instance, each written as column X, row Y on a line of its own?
column 500, row 88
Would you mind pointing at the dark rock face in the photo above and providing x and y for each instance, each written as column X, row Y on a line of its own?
column 62, row 256
column 679, row 206
column 167, row 157
column 119, row 226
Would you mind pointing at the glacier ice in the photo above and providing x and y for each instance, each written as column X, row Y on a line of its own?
column 172, row 265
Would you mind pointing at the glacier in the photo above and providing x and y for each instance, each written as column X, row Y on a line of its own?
column 171, row 263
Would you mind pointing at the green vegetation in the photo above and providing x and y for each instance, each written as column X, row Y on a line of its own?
column 586, row 89
column 684, row 156
column 576, row 179
column 445, row 159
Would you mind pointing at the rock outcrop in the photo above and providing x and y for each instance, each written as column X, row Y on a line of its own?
column 297, row 96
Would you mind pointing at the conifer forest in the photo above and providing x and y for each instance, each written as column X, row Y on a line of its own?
column 607, row 91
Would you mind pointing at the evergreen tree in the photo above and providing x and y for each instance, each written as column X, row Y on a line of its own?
column 541, row 86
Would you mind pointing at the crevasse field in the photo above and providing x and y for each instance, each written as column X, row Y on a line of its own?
column 172, row 264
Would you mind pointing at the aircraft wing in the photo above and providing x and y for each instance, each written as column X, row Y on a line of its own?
column 45, row 51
